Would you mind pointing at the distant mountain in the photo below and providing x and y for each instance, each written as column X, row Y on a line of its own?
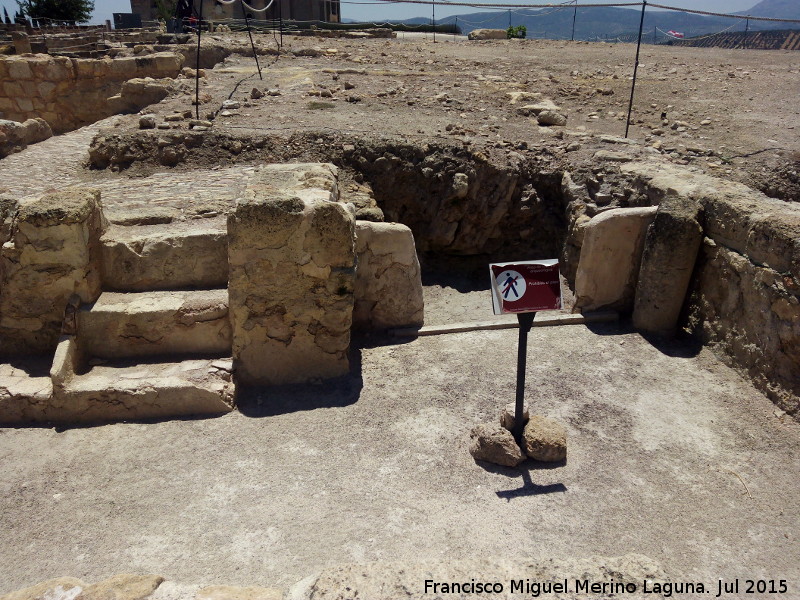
column 618, row 24
column 777, row 9
column 593, row 23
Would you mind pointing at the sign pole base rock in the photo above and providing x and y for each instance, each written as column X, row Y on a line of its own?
column 525, row 324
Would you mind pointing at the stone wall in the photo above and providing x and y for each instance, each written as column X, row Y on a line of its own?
column 744, row 293
column 292, row 272
column 388, row 288
column 52, row 254
column 69, row 93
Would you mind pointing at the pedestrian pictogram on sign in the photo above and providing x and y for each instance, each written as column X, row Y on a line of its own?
column 527, row 286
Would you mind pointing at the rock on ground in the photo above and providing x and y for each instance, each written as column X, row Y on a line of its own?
column 545, row 439
column 495, row 444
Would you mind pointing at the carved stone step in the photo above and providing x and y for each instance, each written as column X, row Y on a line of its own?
column 155, row 323
column 188, row 254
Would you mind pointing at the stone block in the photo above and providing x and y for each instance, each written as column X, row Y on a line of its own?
column 22, row 44
column 610, row 257
column 147, row 257
column 668, row 259
column 388, row 289
column 53, row 253
column 291, row 256
column 488, row 34
column 19, row 69
column 121, row 325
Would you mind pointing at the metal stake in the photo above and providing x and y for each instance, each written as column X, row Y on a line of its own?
column 197, row 66
column 250, row 33
column 525, row 324
column 635, row 69
column 574, row 16
column 433, row 19
column 280, row 20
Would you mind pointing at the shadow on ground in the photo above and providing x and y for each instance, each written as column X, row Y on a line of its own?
column 260, row 401
column 528, row 488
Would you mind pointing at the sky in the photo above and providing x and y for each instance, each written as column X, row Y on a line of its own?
column 380, row 11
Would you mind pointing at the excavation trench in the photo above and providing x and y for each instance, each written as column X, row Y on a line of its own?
column 464, row 207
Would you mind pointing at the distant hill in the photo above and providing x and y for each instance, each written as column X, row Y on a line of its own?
column 598, row 23
column 777, row 9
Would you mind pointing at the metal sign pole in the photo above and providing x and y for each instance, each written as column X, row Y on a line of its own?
column 635, row 69
column 525, row 324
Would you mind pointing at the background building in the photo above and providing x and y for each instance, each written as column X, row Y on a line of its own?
column 290, row 10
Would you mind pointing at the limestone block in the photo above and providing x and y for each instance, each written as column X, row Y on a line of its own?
column 117, row 392
column 22, row 44
column 388, row 288
column 61, row 587
column 226, row 592
column 19, row 69
column 292, row 273
column 24, row 393
column 610, row 256
column 488, row 34
column 668, row 259
column 165, row 257
column 8, row 209
column 138, row 93
column 53, row 253
column 156, row 323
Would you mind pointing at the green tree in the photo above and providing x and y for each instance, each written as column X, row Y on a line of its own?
column 165, row 9
column 520, row 31
column 79, row 11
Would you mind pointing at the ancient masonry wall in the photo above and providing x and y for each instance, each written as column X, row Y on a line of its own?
column 70, row 92
column 297, row 276
column 744, row 294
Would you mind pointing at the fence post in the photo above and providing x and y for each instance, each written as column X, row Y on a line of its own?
column 574, row 16
column 433, row 19
column 635, row 69
column 197, row 65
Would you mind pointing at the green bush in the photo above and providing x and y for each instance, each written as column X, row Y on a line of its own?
column 520, row 31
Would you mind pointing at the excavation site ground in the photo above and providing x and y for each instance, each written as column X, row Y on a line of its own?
column 683, row 439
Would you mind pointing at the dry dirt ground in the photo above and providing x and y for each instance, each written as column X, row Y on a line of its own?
column 730, row 112
column 671, row 454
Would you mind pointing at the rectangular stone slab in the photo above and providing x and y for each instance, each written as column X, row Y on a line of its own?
column 156, row 323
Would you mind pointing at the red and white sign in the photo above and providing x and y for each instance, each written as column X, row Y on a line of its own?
column 675, row 34
column 527, row 286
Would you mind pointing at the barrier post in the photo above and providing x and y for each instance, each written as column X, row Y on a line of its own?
column 433, row 19
column 635, row 69
column 574, row 17
column 197, row 66
column 250, row 33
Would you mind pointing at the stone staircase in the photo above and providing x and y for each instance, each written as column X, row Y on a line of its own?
column 158, row 350
column 257, row 270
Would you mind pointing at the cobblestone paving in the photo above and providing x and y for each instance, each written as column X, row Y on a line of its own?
column 51, row 164
column 60, row 161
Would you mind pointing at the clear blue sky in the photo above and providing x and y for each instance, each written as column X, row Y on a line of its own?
column 104, row 8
